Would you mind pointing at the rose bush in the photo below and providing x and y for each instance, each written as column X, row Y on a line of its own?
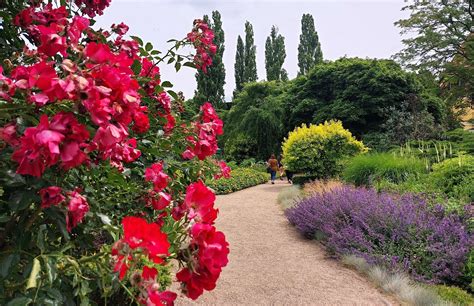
column 101, row 179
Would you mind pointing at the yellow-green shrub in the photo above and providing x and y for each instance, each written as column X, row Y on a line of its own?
column 319, row 149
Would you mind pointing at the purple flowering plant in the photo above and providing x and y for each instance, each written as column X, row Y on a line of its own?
column 402, row 232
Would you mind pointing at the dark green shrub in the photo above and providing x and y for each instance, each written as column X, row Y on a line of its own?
column 241, row 178
column 370, row 169
column 454, row 295
column 239, row 148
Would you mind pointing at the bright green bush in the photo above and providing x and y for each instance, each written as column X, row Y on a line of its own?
column 241, row 178
column 454, row 176
column 454, row 295
column 371, row 169
column 319, row 149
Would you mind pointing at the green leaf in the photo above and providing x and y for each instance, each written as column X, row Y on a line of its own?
column 177, row 66
column 58, row 217
column 173, row 94
column 4, row 218
column 32, row 283
column 138, row 40
column 189, row 64
column 21, row 199
column 40, row 239
column 155, row 52
column 50, row 267
column 170, row 60
column 148, row 46
column 136, row 67
column 7, row 263
column 166, row 84
column 55, row 294
column 20, row 301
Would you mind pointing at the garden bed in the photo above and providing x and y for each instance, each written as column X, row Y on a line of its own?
column 241, row 178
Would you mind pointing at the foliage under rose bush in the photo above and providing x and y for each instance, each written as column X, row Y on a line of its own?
column 101, row 179
column 402, row 232
column 241, row 178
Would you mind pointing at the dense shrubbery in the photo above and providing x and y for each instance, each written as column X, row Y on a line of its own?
column 319, row 149
column 368, row 169
column 241, row 178
column 402, row 232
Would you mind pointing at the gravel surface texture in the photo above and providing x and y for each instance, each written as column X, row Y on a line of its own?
column 271, row 264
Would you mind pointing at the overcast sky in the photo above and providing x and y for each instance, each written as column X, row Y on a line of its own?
column 345, row 28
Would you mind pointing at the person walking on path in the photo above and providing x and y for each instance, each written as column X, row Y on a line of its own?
column 273, row 167
column 281, row 169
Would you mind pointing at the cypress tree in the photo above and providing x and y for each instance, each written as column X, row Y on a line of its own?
column 274, row 55
column 239, row 65
column 250, row 55
column 210, row 85
column 309, row 49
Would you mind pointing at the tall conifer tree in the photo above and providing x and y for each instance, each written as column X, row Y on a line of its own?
column 210, row 85
column 275, row 55
column 309, row 49
column 239, row 65
column 250, row 55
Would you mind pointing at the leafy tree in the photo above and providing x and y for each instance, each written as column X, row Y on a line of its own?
column 358, row 92
column 443, row 43
column 309, row 49
column 250, row 55
column 256, row 120
column 274, row 55
column 210, row 85
column 239, row 65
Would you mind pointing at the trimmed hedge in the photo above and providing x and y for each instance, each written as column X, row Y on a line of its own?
column 241, row 178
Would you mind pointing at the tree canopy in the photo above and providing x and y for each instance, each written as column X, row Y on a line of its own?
column 441, row 41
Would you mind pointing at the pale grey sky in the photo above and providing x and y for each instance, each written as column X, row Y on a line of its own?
column 346, row 28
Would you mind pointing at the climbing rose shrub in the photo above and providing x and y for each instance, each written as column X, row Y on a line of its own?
column 101, row 179
column 318, row 150
column 402, row 232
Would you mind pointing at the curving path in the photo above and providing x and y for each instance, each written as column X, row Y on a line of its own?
column 271, row 264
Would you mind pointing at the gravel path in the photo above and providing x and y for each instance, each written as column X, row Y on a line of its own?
column 271, row 264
